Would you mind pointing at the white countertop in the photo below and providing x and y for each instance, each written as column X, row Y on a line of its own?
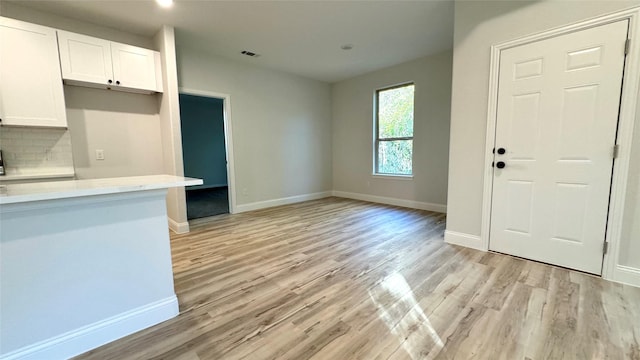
column 19, row 193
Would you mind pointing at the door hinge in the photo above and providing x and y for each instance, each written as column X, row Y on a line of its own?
column 627, row 45
column 616, row 151
column 605, row 248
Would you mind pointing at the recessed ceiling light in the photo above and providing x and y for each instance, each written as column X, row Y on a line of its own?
column 346, row 47
column 165, row 3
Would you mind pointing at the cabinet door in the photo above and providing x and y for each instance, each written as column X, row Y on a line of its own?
column 30, row 81
column 133, row 67
column 85, row 58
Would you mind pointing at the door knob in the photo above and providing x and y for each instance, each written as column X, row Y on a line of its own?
column 501, row 151
column 500, row 164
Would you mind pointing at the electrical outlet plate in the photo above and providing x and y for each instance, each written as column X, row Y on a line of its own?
column 99, row 154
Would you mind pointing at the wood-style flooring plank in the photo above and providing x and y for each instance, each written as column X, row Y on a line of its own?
column 343, row 279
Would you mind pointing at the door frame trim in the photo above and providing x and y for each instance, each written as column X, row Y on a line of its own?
column 228, row 139
column 629, row 98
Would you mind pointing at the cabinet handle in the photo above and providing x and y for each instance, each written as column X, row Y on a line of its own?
column 118, row 82
column 110, row 81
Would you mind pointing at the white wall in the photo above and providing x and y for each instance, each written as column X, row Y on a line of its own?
column 126, row 126
column 170, row 128
column 478, row 25
column 630, row 244
column 353, row 124
column 281, row 125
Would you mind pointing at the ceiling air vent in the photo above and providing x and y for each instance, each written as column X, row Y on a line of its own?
column 249, row 53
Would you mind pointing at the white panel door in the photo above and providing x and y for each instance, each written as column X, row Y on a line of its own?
column 30, row 81
column 558, row 103
column 85, row 58
column 133, row 67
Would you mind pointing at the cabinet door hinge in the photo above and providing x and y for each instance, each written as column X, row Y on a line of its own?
column 605, row 248
column 627, row 45
column 616, row 151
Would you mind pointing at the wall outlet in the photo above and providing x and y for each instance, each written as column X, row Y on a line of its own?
column 99, row 154
column 245, row 192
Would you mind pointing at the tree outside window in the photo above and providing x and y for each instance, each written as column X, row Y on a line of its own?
column 394, row 130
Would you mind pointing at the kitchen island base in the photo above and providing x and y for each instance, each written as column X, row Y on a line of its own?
column 79, row 272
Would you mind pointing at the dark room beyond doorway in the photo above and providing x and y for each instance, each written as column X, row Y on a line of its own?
column 204, row 155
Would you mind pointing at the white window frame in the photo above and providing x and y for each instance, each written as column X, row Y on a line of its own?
column 376, row 131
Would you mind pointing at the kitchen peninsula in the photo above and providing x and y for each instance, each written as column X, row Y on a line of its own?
column 82, row 263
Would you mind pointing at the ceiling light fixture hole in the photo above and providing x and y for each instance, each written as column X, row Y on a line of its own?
column 249, row 53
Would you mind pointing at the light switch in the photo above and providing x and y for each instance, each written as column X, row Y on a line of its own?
column 99, row 154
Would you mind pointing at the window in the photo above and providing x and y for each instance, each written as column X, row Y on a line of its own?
column 394, row 130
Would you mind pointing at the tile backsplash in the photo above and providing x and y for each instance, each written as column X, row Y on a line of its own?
column 29, row 151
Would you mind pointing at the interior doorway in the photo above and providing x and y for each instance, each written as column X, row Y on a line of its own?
column 205, row 138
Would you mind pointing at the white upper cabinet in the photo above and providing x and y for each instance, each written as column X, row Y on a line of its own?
column 94, row 62
column 85, row 58
column 30, row 82
column 134, row 67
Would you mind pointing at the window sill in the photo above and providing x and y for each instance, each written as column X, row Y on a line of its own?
column 392, row 177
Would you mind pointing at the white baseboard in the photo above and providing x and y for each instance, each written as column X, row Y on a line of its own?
column 462, row 239
column 178, row 228
column 282, row 201
column 626, row 275
column 392, row 201
column 99, row 333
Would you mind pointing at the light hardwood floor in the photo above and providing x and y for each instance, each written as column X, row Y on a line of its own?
column 342, row 279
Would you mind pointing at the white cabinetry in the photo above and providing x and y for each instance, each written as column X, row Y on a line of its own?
column 135, row 67
column 93, row 62
column 30, row 82
column 85, row 58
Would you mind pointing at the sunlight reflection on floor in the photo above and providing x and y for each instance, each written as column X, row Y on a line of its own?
column 398, row 308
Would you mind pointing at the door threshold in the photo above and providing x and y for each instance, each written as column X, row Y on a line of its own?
column 544, row 263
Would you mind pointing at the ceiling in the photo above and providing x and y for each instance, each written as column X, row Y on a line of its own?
column 300, row 37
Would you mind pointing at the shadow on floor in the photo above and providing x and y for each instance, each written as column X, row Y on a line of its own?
column 207, row 202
